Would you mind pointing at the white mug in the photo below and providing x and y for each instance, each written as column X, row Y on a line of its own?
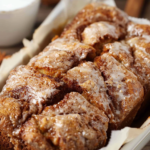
column 17, row 24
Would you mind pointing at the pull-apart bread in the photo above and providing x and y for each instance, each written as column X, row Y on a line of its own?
column 92, row 79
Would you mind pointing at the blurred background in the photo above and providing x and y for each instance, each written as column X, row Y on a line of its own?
column 135, row 8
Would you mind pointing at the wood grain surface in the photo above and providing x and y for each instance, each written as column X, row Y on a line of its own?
column 134, row 7
column 147, row 146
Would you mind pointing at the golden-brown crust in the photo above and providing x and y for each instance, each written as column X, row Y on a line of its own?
column 94, row 12
column 10, row 117
column 100, row 33
column 121, row 52
column 123, row 86
column 127, row 55
column 87, row 79
column 73, row 123
column 60, row 56
column 135, row 29
column 5, row 143
column 26, row 83
column 25, row 93
column 31, row 136
column 141, row 53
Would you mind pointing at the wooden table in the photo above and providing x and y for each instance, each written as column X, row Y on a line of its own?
column 147, row 146
column 134, row 7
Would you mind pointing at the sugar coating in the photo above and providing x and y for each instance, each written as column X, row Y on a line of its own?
column 135, row 29
column 89, row 78
column 99, row 31
column 121, row 51
column 141, row 46
column 94, row 12
column 26, row 83
column 123, row 86
column 71, row 124
column 61, row 55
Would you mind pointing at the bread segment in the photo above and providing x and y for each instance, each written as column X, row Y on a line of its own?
column 100, row 33
column 135, row 29
column 140, row 47
column 73, row 124
column 37, row 89
column 124, row 89
column 60, row 56
column 134, row 57
column 87, row 79
column 121, row 52
column 26, row 92
column 94, row 12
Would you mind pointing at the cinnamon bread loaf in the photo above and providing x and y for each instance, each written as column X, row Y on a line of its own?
column 89, row 81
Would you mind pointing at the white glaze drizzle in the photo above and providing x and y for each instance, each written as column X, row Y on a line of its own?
column 121, row 50
column 39, row 88
column 77, row 104
column 96, row 31
column 89, row 78
column 79, row 49
column 135, row 29
column 118, row 78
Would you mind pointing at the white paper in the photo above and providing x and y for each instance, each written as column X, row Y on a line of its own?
column 125, row 135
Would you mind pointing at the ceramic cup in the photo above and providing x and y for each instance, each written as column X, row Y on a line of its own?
column 17, row 24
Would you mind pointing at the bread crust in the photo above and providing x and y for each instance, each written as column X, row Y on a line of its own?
column 93, row 12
